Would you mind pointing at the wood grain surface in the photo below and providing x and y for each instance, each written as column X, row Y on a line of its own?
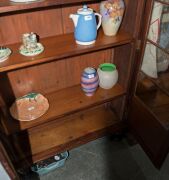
column 59, row 47
column 57, row 75
column 72, row 131
column 65, row 102
column 7, row 6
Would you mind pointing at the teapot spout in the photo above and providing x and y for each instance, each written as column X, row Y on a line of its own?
column 74, row 17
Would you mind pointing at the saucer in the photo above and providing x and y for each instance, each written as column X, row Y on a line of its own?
column 39, row 49
column 4, row 53
column 29, row 107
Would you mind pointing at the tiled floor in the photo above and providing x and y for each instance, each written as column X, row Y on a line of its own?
column 105, row 159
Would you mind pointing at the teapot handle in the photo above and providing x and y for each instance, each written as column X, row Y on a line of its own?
column 100, row 20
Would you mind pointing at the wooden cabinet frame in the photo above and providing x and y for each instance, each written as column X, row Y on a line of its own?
column 72, row 119
column 149, row 130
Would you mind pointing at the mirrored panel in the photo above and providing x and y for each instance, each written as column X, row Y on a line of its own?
column 159, row 25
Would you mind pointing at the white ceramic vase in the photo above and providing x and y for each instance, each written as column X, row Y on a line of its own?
column 112, row 14
column 107, row 79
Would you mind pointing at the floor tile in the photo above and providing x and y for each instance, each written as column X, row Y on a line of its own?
column 104, row 159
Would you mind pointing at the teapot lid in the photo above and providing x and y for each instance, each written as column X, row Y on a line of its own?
column 85, row 10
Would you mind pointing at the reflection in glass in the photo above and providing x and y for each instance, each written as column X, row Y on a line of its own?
column 153, row 80
column 167, row 1
column 159, row 26
column 154, row 28
column 154, row 98
column 149, row 64
column 162, row 61
column 155, row 61
column 164, row 29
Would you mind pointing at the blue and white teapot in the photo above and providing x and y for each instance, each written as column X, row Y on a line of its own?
column 85, row 25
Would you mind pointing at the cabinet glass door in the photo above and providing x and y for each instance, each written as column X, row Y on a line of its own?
column 149, row 115
column 153, row 85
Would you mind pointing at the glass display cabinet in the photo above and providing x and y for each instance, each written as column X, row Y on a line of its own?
column 138, row 102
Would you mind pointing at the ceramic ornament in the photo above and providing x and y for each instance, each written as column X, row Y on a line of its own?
column 112, row 12
column 29, row 107
column 89, row 81
column 85, row 25
column 108, row 75
column 30, row 46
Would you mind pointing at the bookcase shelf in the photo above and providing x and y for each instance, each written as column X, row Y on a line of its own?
column 59, row 47
column 71, row 132
column 65, row 102
column 8, row 6
column 72, row 119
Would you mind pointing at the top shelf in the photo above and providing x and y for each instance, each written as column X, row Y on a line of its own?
column 8, row 6
column 59, row 47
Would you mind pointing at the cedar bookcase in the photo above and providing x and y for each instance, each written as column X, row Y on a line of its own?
column 72, row 119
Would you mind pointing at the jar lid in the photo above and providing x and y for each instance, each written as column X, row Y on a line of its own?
column 107, row 67
column 85, row 10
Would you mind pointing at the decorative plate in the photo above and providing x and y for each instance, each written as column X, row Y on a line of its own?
column 29, row 107
column 4, row 53
column 33, row 52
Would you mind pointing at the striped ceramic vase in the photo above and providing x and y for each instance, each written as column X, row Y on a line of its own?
column 89, row 81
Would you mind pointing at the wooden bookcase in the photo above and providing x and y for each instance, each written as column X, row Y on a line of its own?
column 72, row 119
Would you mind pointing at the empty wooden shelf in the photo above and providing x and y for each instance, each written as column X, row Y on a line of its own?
column 70, row 132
